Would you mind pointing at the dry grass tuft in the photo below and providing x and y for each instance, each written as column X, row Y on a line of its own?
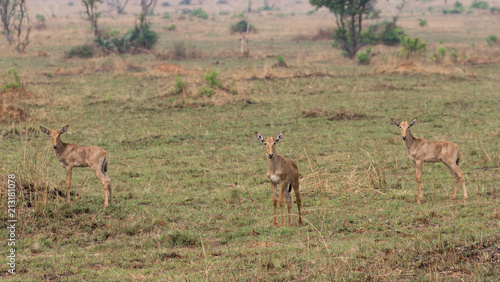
column 7, row 109
column 12, row 113
column 346, row 115
column 411, row 67
column 313, row 113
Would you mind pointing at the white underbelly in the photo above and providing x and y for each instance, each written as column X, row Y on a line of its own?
column 275, row 179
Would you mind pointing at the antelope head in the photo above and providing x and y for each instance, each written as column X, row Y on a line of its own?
column 404, row 125
column 54, row 134
column 270, row 142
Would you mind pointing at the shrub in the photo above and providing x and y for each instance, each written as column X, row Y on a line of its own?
column 180, row 85
column 495, row 10
column 391, row 34
column 412, row 47
column 310, row 12
column 386, row 32
column 206, row 91
column 364, row 58
column 71, row 3
column 458, row 5
column 422, row 22
column 199, row 13
column 458, row 8
column 171, row 27
column 492, row 40
column 221, row 2
column 15, row 84
column 241, row 26
column 438, row 57
column 40, row 21
column 123, row 43
column 224, row 13
column 212, row 80
column 165, row 4
column 81, row 51
column 455, row 56
column 147, row 40
column 281, row 61
column 106, row 45
column 479, row 5
column 185, row 2
column 165, row 15
column 179, row 50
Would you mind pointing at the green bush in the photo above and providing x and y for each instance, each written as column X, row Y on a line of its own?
column 106, row 45
column 123, row 43
column 165, row 15
column 364, row 58
column 441, row 51
column 386, row 32
column 199, row 13
column 241, row 26
column 412, row 47
column 40, row 20
column 71, row 3
column 147, row 40
column 8, row 83
column 438, row 57
column 180, row 85
column 495, row 10
column 479, row 5
column 458, row 8
column 281, row 61
column 171, row 27
column 185, row 2
column 165, row 4
column 492, row 40
column 224, row 13
column 206, row 91
column 212, row 80
column 81, row 51
column 422, row 22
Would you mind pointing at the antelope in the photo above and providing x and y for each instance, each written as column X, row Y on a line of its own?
column 71, row 155
column 283, row 172
column 421, row 150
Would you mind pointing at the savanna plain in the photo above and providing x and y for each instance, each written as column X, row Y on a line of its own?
column 191, row 199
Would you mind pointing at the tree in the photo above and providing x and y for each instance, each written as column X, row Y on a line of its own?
column 145, row 4
column 91, row 9
column 349, row 16
column 13, row 14
column 7, row 10
column 120, row 7
column 18, row 25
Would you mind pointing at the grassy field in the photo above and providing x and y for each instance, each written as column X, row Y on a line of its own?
column 191, row 196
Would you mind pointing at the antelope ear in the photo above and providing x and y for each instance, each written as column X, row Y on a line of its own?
column 63, row 129
column 45, row 130
column 413, row 122
column 395, row 122
column 280, row 136
column 259, row 137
